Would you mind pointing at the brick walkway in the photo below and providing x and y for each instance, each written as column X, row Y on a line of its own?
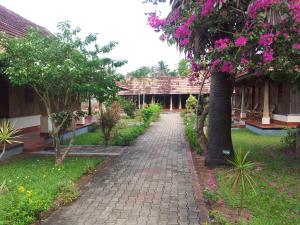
column 152, row 183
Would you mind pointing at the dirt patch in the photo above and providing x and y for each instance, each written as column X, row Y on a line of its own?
column 81, row 184
column 207, row 181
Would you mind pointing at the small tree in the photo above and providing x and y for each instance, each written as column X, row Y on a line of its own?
column 184, row 68
column 63, row 69
column 108, row 119
column 191, row 103
column 8, row 135
column 242, row 179
column 129, row 107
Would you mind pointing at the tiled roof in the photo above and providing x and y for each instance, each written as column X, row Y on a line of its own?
column 163, row 85
column 15, row 25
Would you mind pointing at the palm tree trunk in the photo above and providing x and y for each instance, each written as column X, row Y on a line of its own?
column 219, row 120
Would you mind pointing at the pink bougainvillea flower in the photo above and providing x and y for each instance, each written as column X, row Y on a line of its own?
column 195, row 66
column 296, row 46
column 266, row 39
column 268, row 56
column 241, row 41
column 162, row 37
column 226, row 67
column 184, row 42
column 258, row 5
column 295, row 8
column 221, row 44
column 155, row 22
column 212, row 183
column 214, row 64
column 244, row 61
column 208, row 7
column 183, row 31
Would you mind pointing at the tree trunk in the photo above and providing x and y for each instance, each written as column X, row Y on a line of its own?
column 201, row 134
column 219, row 121
column 90, row 106
column 298, row 140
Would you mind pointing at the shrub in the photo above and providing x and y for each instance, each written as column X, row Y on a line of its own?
column 108, row 119
column 8, row 135
column 191, row 104
column 67, row 193
column 290, row 138
column 242, row 178
column 150, row 113
column 125, row 136
column 190, row 132
column 129, row 107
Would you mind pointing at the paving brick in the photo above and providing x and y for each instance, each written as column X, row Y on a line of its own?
column 150, row 183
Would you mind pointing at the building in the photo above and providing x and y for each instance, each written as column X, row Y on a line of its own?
column 170, row 92
column 266, row 106
column 19, row 104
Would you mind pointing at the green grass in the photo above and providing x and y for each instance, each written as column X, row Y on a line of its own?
column 33, row 183
column 278, row 178
column 123, row 134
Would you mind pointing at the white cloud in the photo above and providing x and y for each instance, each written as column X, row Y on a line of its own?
column 113, row 20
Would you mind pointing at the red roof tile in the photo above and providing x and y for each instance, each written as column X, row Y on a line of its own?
column 15, row 25
column 163, row 85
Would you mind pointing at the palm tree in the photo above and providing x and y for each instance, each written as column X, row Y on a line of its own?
column 162, row 68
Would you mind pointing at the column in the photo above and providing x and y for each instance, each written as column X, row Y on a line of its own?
column 266, row 111
column 243, row 111
column 171, row 103
column 144, row 100
column 139, row 100
column 152, row 99
column 45, row 125
column 180, row 106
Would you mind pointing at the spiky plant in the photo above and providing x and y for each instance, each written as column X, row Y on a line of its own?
column 8, row 135
column 242, row 178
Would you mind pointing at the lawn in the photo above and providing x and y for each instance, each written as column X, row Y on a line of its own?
column 278, row 181
column 125, row 132
column 33, row 183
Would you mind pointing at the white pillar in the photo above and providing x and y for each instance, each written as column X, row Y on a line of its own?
column 171, row 103
column 46, row 125
column 152, row 99
column 180, row 106
column 139, row 100
column 243, row 111
column 144, row 100
column 266, row 112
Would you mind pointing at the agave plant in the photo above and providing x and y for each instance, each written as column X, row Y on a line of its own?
column 242, row 179
column 8, row 135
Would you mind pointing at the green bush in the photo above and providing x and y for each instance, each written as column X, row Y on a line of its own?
column 191, row 104
column 150, row 113
column 67, row 193
column 190, row 132
column 290, row 138
column 129, row 107
column 126, row 136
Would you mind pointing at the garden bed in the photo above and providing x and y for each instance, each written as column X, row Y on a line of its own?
column 33, row 185
column 277, row 198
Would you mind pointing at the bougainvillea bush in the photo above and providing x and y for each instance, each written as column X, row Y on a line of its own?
column 260, row 37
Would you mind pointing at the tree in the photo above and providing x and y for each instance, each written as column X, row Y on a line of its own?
column 258, row 37
column 162, row 69
column 143, row 71
column 184, row 68
column 63, row 69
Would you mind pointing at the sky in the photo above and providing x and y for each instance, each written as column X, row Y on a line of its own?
column 114, row 20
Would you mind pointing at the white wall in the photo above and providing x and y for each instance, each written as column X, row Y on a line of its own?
column 289, row 118
column 26, row 121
